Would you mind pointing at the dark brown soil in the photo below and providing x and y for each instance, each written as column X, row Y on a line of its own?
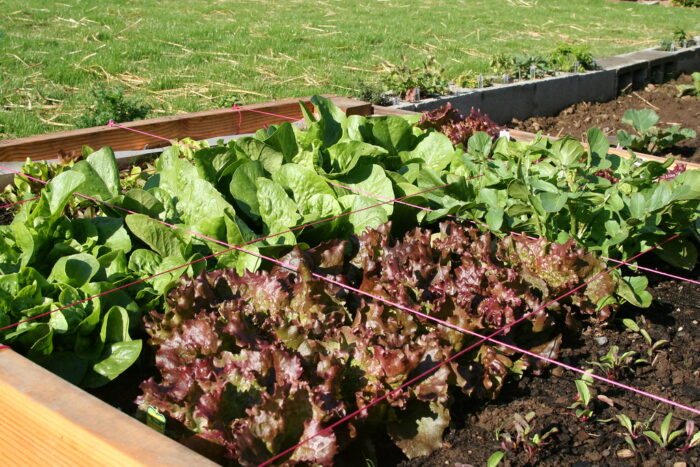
column 675, row 374
column 577, row 119
column 6, row 216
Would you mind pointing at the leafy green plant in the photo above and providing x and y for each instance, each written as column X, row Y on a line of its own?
column 374, row 93
column 690, row 89
column 649, row 137
column 110, row 103
column 520, row 66
column 524, row 438
column 665, row 436
column 614, row 363
column 473, row 80
column 571, row 58
column 404, row 79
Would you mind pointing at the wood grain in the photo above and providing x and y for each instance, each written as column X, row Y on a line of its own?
column 48, row 421
column 196, row 125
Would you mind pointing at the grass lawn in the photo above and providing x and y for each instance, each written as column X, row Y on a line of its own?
column 182, row 56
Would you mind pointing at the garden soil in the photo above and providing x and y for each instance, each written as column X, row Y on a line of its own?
column 675, row 374
column 577, row 119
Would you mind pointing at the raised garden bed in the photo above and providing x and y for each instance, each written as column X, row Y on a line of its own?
column 547, row 96
column 663, row 99
column 393, row 271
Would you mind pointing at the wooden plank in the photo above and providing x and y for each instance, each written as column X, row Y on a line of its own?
column 379, row 110
column 48, row 421
column 526, row 137
column 197, row 125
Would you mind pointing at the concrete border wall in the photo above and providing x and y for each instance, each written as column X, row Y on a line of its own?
column 548, row 96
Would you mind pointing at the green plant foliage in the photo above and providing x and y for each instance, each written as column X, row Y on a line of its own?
column 650, row 138
column 571, row 58
column 111, row 103
column 403, row 78
column 690, row 89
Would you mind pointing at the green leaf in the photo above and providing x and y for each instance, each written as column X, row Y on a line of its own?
column 373, row 183
column 679, row 252
column 304, row 183
column 243, row 188
column 654, row 437
column 392, row 133
column 494, row 218
column 633, row 289
column 518, row 190
column 61, row 188
column 436, row 150
column 368, row 218
column 161, row 238
column 637, row 206
column 75, row 270
column 583, row 391
column 630, row 324
column 112, row 233
column 101, row 175
column 553, row 202
column 331, row 120
column 199, row 203
column 495, row 459
column 117, row 358
column 568, row 151
column 277, row 210
column 666, row 426
column 142, row 202
column 598, row 144
column 641, row 119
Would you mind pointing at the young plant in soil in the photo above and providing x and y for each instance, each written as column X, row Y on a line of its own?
column 525, row 439
column 650, row 138
column 690, row 89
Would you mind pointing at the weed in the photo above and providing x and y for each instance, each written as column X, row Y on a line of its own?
column 112, row 104
column 411, row 82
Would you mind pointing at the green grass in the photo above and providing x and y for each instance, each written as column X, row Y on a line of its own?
column 182, row 56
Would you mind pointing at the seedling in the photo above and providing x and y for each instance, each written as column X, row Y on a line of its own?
column 524, row 438
column 665, row 436
column 634, row 429
column 613, row 364
column 650, row 138
column 495, row 459
column 692, row 436
column 652, row 345
column 582, row 404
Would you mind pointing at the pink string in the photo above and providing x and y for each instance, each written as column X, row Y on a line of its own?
column 399, row 306
column 19, row 202
column 241, row 109
column 116, row 125
column 198, row 260
column 482, row 339
column 685, row 279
